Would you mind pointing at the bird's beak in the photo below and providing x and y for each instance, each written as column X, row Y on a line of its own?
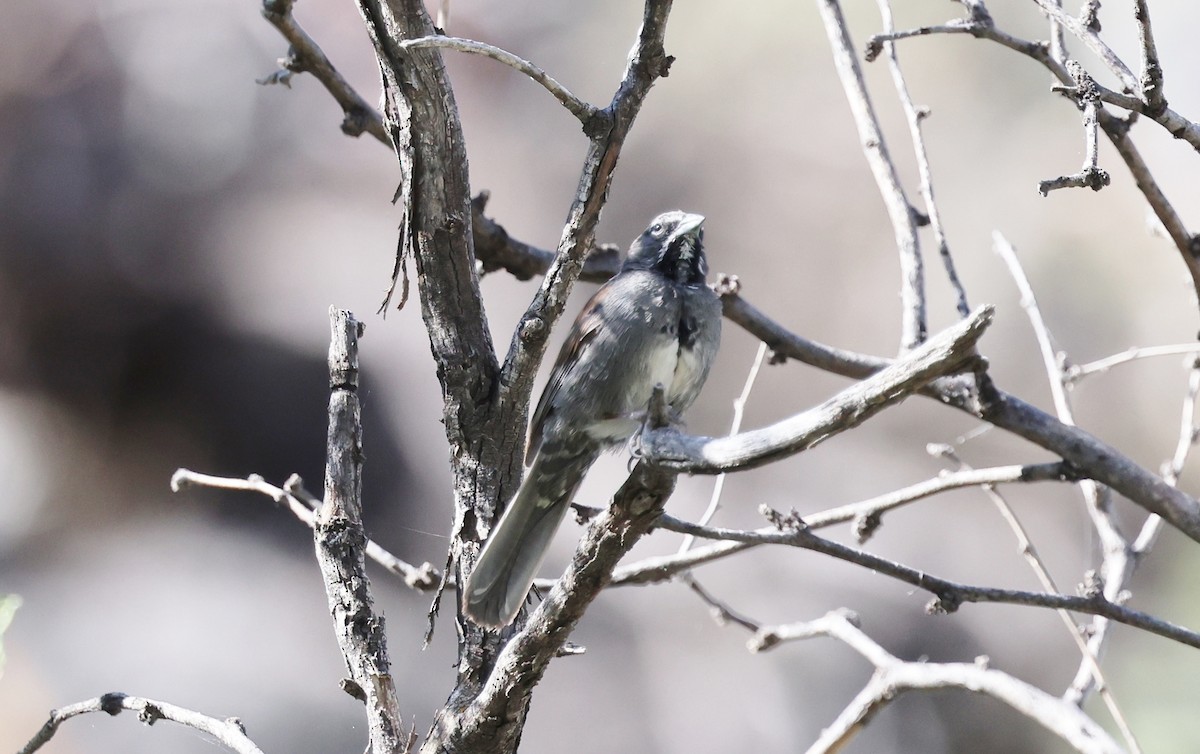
column 688, row 225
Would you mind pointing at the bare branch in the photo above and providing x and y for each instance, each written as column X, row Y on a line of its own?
column 914, row 326
column 1086, row 94
column 340, row 545
column 577, row 107
column 1091, row 38
column 1027, row 549
column 1058, row 45
column 721, row 612
column 302, row 504
column 1151, row 78
column 739, row 412
column 1188, row 244
column 949, row 595
column 305, row 56
column 980, row 25
column 229, row 732
column 660, row 568
column 915, row 116
column 894, row 676
column 946, row 353
column 1098, row 634
column 1074, row 373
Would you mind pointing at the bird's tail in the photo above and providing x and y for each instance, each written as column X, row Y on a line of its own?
column 519, row 542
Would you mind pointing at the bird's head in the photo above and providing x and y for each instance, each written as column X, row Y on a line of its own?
column 672, row 245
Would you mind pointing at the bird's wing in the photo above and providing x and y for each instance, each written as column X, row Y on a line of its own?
column 587, row 327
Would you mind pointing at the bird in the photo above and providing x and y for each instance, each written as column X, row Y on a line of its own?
column 656, row 322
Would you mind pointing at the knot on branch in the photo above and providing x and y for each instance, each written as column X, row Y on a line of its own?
column 943, row 604
column 150, row 714
column 112, row 702
column 1089, row 16
column 874, row 49
column 1092, row 587
column 277, row 7
column 599, row 124
column 353, row 689
column 866, row 525
column 533, row 329
column 1069, row 472
column 978, row 13
column 785, row 522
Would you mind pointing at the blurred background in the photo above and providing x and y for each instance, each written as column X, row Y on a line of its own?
column 172, row 235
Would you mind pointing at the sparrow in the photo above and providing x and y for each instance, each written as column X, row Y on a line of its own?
column 654, row 323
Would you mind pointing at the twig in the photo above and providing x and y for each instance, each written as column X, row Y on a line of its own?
column 1085, row 93
column 867, row 514
column 1076, row 372
column 949, row 595
column 577, row 107
column 721, row 612
column 1027, row 549
column 1114, row 547
column 1188, row 431
column 229, row 732
column 340, row 546
column 1058, row 45
column 1089, row 37
column 1051, row 359
column 1151, row 78
column 1113, row 544
column 915, row 116
column 893, row 676
column 980, row 25
column 1083, row 683
column 660, row 568
column 302, row 504
column 305, row 56
column 735, row 426
column 914, row 326
column 1185, row 242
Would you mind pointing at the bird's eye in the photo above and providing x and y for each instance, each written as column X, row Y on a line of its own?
column 656, row 229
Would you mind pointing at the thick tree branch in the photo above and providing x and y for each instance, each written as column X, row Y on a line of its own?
column 228, row 732
column 340, row 545
column 489, row 724
column 950, row 351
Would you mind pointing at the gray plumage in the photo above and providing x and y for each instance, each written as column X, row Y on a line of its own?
column 655, row 322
